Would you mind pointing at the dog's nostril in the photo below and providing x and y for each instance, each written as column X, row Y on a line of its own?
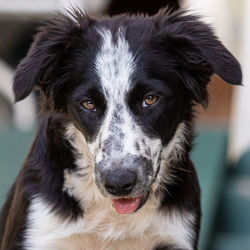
column 120, row 182
column 128, row 187
column 119, row 189
column 110, row 189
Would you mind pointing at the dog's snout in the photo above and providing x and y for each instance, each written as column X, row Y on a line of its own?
column 120, row 181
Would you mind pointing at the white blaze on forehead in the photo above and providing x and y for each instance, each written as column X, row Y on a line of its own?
column 114, row 64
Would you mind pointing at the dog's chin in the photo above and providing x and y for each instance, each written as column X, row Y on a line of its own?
column 129, row 205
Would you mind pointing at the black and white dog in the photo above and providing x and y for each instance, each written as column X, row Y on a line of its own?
column 110, row 167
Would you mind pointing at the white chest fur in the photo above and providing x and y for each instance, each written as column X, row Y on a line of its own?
column 102, row 228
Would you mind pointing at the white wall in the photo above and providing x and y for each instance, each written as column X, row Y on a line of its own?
column 214, row 12
column 43, row 6
column 240, row 122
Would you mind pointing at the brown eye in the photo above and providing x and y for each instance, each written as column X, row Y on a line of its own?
column 149, row 100
column 88, row 105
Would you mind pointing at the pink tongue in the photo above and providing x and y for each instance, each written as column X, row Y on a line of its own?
column 126, row 206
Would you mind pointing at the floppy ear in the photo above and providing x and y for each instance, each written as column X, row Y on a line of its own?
column 43, row 65
column 198, row 53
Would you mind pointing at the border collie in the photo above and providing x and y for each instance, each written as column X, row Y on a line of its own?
column 110, row 166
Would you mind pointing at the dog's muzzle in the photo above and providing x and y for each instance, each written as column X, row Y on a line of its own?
column 126, row 181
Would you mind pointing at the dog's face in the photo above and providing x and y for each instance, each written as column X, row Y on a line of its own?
column 124, row 111
column 128, row 85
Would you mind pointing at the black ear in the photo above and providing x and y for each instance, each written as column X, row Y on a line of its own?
column 43, row 65
column 198, row 52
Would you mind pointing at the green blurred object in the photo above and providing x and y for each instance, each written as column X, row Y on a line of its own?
column 234, row 214
column 209, row 157
column 233, row 220
column 243, row 166
column 227, row 241
column 14, row 146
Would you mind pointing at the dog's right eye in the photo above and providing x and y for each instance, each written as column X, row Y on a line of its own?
column 88, row 105
column 149, row 100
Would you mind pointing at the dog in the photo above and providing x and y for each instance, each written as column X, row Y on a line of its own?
column 110, row 167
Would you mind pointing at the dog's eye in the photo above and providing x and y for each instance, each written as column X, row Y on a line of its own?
column 88, row 105
column 149, row 100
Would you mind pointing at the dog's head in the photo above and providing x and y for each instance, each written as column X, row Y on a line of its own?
column 128, row 84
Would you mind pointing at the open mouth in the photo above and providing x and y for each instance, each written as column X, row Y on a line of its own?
column 128, row 205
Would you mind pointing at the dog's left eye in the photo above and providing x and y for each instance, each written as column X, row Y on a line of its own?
column 88, row 105
column 150, row 100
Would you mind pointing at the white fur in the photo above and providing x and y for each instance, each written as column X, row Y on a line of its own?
column 175, row 148
column 103, row 229
column 114, row 65
column 171, row 154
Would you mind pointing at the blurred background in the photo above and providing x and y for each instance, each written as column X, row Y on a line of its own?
column 222, row 146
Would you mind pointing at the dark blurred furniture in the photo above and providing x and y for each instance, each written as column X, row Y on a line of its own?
column 16, row 35
column 140, row 6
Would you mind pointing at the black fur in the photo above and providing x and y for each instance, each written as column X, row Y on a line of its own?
column 176, row 56
column 50, row 155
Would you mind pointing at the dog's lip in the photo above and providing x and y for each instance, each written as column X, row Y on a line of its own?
column 128, row 205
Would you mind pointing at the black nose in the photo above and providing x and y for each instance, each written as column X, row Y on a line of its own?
column 120, row 181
